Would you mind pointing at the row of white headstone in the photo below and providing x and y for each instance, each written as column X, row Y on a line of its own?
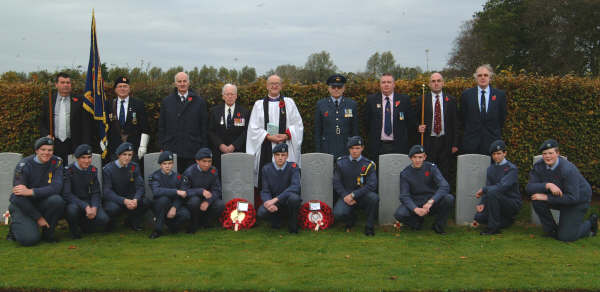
column 316, row 180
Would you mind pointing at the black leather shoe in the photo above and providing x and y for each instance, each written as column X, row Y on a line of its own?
column 369, row 231
column 594, row 223
column 438, row 229
column 154, row 234
column 489, row 231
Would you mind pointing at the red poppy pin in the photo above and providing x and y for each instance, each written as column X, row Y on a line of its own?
column 133, row 168
column 397, row 103
column 427, row 173
column 294, row 165
column 506, row 169
column 493, row 97
column 189, row 98
column 326, row 114
column 363, row 168
column 75, row 99
column 447, row 99
column 93, row 169
column 239, row 114
column 281, row 103
column 179, row 177
column 213, row 171
column 53, row 161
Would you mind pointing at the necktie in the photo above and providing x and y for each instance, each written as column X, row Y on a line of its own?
column 229, row 118
column 337, row 104
column 387, row 124
column 62, row 117
column 437, row 120
column 122, row 113
column 482, row 107
column 182, row 98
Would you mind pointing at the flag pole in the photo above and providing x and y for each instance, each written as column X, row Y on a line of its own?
column 50, row 113
column 423, row 113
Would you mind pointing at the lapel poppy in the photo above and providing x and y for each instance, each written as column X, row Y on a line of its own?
column 53, row 161
column 213, row 171
column 239, row 115
column 447, row 99
column 397, row 103
column 363, row 168
column 281, row 103
column 493, row 97
column 133, row 168
column 179, row 177
column 75, row 99
column 294, row 165
column 189, row 98
column 93, row 169
column 426, row 173
column 505, row 169
column 326, row 114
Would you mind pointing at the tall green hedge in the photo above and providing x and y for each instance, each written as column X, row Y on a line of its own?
column 565, row 108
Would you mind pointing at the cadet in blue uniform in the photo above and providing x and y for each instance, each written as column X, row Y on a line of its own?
column 35, row 199
column 555, row 183
column 354, row 183
column 336, row 119
column 500, row 198
column 203, row 187
column 123, row 189
column 81, row 191
column 169, row 197
column 280, row 190
column 423, row 190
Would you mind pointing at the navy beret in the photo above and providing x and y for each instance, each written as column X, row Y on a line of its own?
column 83, row 149
column 203, row 153
column 165, row 156
column 125, row 146
column 497, row 145
column 354, row 141
column 121, row 79
column 416, row 149
column 336, row 80
column 41, row 142
column 283, row 147
column 550, row 143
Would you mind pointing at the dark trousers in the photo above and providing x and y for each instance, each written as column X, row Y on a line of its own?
column 24, row 226
column 570, row 226
column 62, row 149
column 204, row 218
column 290, row 206
column 441, row 209
column 160, row 207
column 387, row 147
column 77, row 220
column 134, row 217
column 439, row 151
column 183, row 163
column 368, row 202
column 499, row 211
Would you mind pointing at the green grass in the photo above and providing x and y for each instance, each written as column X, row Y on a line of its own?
column 265, row 259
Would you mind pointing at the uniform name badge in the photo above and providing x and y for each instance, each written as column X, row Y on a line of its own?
column 401, row 116
column 239, row 122
column 238, row 215
column 348, row 113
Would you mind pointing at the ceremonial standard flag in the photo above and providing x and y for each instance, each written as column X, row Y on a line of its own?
column 95, row 99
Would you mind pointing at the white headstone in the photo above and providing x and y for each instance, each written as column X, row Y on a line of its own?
column 150, row 166
column 390, row 166
column 8, row 162
column 237, row 172
column 470, row 177
column 555, row 213
column 317, row 177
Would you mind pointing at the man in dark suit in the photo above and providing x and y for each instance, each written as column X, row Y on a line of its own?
column 390, row 120
column 183, row 122
column 71, row 125
column 227, row 126
column 128, row 122
column 483, row 111
column 440, row 135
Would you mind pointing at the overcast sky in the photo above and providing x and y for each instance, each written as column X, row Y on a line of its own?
column 54, row 34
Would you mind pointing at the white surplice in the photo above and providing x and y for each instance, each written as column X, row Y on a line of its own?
column 257, row 132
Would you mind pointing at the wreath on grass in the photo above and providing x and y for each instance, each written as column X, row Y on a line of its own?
column 245, row 219
column 317, row 219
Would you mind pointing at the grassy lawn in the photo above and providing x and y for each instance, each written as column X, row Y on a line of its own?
column 265, row 259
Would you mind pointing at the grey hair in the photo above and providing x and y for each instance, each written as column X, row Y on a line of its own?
column 228, row 85
column 486, row 66
column 186, row 75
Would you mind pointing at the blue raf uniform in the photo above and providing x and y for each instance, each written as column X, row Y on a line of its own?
column 417, row 187
column 46, row 181
column 81, row 190
column 195, row 181
column 358, row 178
column 164, row 188
column 120, row 182
column 573, row 204
column 501, row 197
column 284, row 184
column 335, row 121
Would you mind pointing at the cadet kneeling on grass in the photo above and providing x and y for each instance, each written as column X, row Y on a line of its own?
column 500, row 198
column 35, row 199
column 280, row 190
column 423, row 191
column 169, row 197
column 81, row 190
column 203, row 187
column 555, row 183
column 123, row 188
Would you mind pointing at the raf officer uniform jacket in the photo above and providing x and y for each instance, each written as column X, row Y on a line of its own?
column 119, row 183
column 280, row 183
column 356, row 177
column 195, row 181
column 81, row 186
column 136, row 123
column 182, row 126
column 481, row 130
column 334, row 124
column 166, row 185
column 418, row 185
column 403, row 123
